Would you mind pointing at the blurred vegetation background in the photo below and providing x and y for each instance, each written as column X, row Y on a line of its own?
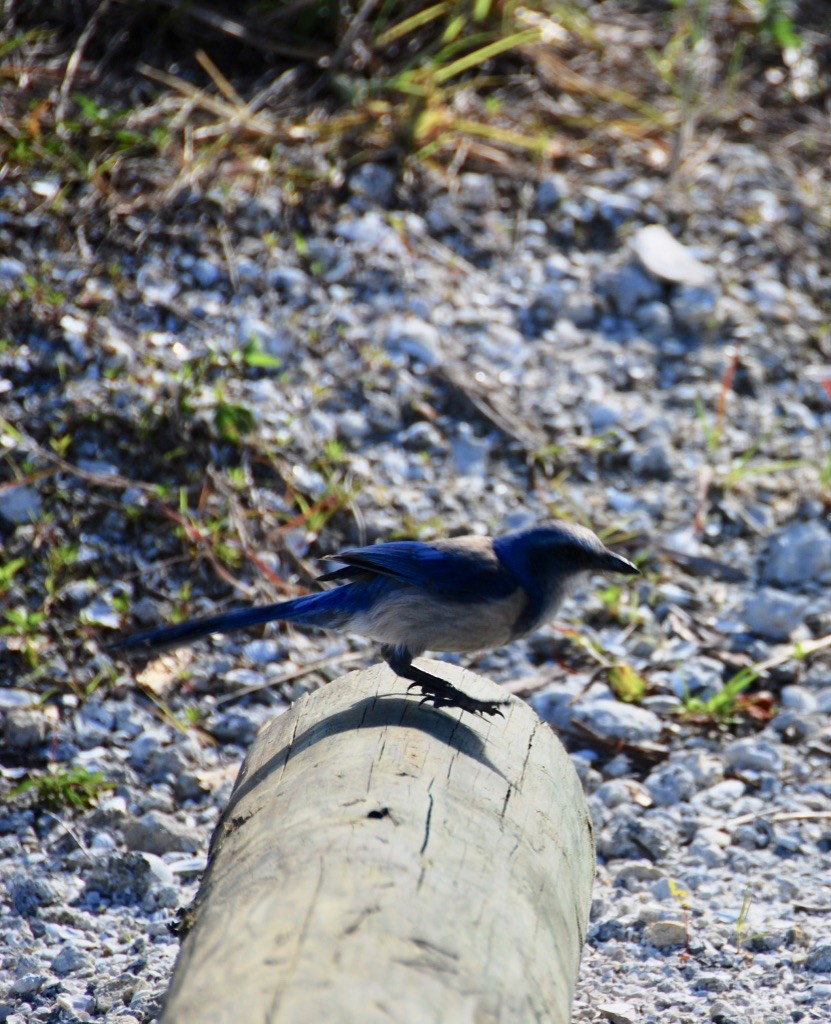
column 117, row 115
column 144, row 100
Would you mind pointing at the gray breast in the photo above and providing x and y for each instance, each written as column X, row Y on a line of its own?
column 413, row 619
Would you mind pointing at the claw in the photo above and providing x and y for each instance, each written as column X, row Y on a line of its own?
column 441, row 694
column 453, row 698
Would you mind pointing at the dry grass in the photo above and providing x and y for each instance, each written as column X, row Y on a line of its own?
column 144, row 104
column 112, row 121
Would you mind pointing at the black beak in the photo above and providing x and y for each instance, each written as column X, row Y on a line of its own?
column 608, row 561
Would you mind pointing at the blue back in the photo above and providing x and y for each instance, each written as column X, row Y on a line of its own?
column 454, row 572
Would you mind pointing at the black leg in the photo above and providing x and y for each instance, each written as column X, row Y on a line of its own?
column 436, row 691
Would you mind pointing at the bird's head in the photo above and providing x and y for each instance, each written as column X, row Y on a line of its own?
column 558, row 552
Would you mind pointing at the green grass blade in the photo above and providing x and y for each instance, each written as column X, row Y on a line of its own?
column 486, row 53
column 410, row 24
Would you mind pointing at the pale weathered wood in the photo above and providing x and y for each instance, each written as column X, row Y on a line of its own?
column 380, row 861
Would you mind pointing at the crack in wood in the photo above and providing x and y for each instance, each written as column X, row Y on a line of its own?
column 427, row 824
column 508, row 792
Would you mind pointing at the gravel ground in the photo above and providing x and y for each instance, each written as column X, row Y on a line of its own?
column 200, row 405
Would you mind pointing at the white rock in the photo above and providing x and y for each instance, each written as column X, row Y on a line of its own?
column 416, row 338
column 70, row 959
column 627, row 288
column 99, row 613
column 477, row 190
column 370, row 232
column 159, row 833
column 654, row 316
column 693, row 307
column 799, row 699
column 723, row 795
column 666, row 258
column 20, row 504
column 618, row 1013
column 551, row 191
column 613, row 719
column 206, row 273
column 11, row 268
column 773, row 614
column 797, row 553
column 373, row 182
column 275, row 341
column 665, row 934
column 751, row 754
column 470, row 453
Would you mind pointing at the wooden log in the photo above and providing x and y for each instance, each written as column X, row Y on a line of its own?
column 383, row 861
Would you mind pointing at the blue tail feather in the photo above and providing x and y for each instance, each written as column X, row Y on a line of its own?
column 330, row 609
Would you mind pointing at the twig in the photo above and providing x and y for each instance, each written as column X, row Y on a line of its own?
column 744, row 819
column 333, row 64
column 490, row 407
column 726, row 388
column 218, row 79
column 29, row 478
column 801, row 650
column 235, row 116
column 701, row 565
column 75, row 60
column 287, row 80
column 230, row 256
column 72, row 835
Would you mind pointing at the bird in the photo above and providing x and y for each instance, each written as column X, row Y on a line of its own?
column 460, row 594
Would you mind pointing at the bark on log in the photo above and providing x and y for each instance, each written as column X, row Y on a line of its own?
column 382, row 861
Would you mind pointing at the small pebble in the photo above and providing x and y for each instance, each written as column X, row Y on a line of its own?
column 415, row 338
column 667, row 259
column 613, row 719
column 796, row 554
column 666, row 934
column 773, row 614
column 70, row 960
column 20, row 504
column 618, row 1013
column 819, row 957
column 160, row 833
column 753, row 755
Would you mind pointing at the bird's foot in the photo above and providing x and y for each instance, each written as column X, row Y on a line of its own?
column 444, row 695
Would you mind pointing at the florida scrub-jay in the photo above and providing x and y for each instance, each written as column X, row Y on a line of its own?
column 461, row 594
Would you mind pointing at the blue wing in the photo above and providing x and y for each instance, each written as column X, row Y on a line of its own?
column 455, row 570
